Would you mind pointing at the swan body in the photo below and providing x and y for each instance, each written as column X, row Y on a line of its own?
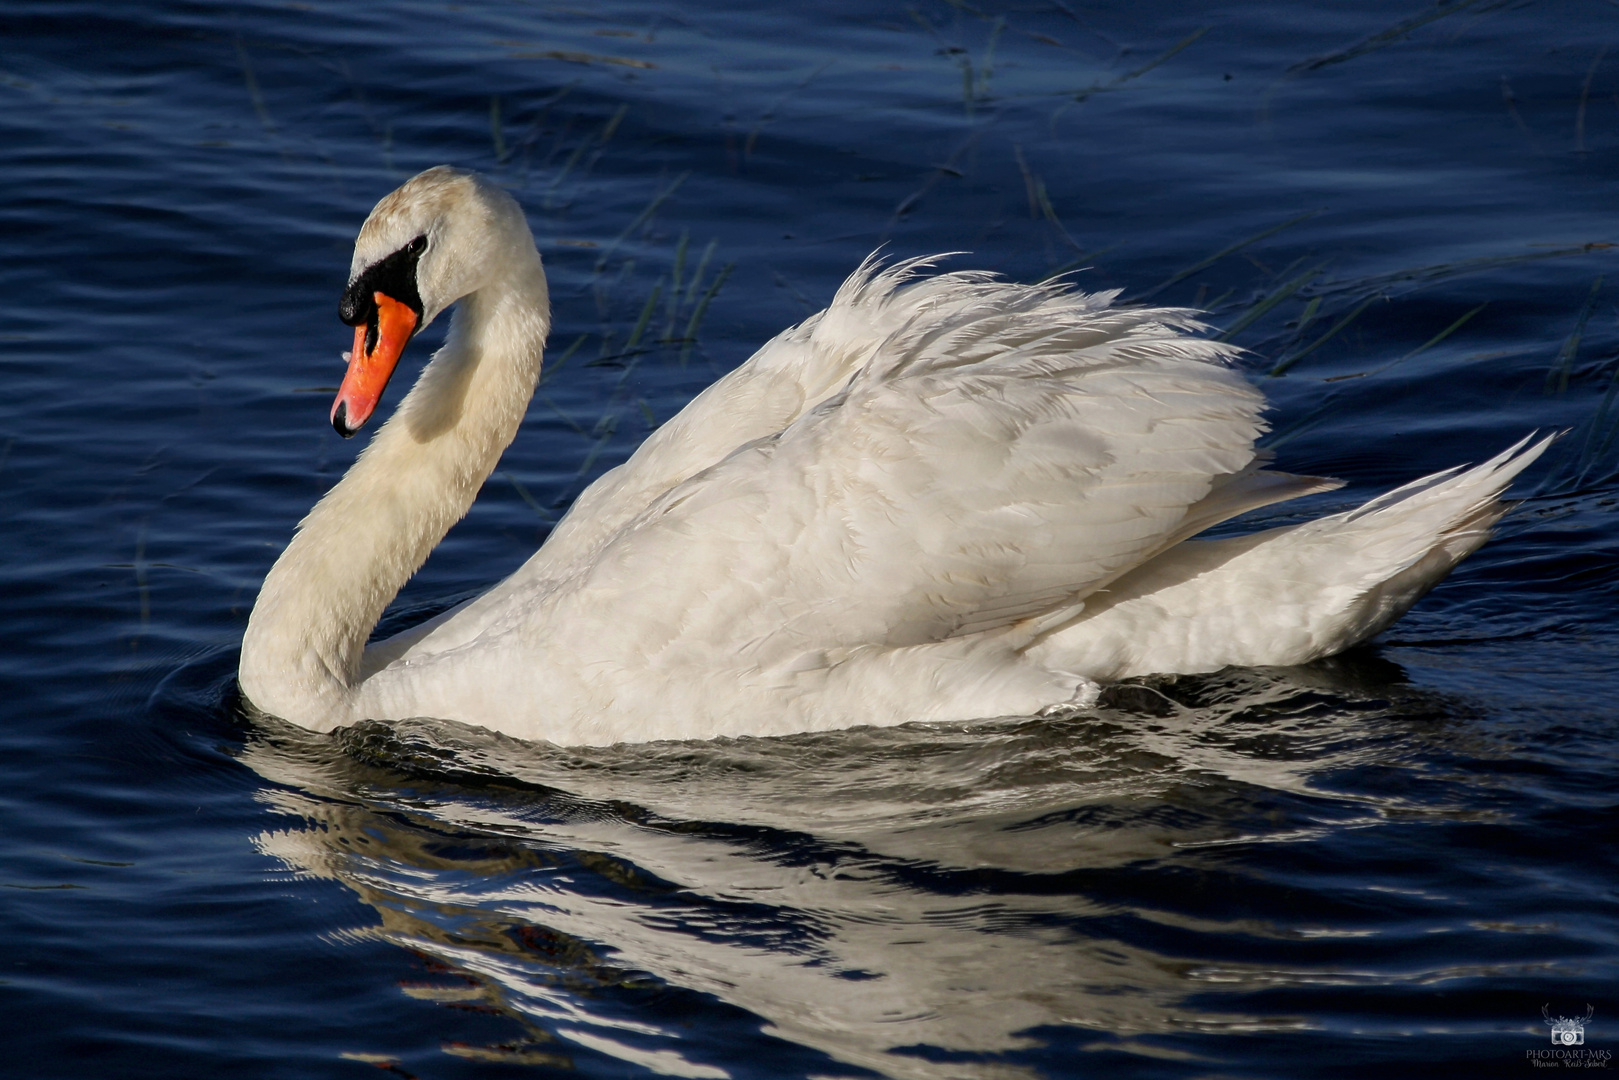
column 942, row 498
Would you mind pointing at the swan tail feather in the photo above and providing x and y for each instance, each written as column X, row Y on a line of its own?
column 1293, row 594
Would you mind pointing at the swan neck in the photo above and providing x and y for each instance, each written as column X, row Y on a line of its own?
column 301, row 655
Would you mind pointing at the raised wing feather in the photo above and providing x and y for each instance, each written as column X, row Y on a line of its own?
column 998, row 455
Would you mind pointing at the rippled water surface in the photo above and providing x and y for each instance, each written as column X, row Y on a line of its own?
column 1381, row 865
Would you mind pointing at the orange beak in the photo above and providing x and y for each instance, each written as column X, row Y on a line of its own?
column 369, row 372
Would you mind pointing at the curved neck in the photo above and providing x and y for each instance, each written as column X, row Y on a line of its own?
column 360, row 544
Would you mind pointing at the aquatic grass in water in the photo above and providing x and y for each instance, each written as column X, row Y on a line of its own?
column 1230, row 249
column 1557, row 377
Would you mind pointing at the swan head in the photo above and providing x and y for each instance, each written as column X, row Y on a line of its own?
column 442, row 235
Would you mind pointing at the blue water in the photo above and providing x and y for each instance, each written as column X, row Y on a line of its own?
column 1384, row 864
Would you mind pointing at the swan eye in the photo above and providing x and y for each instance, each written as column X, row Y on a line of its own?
column 395, row 276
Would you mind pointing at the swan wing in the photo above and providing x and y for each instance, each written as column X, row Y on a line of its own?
column 1005, row 452
column 790, row 374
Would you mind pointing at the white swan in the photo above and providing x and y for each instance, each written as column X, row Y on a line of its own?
column 944, row 498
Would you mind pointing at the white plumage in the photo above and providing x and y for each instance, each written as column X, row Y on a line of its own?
column 944, row 497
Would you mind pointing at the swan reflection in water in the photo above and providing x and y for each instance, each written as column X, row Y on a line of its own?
column 918, row 901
